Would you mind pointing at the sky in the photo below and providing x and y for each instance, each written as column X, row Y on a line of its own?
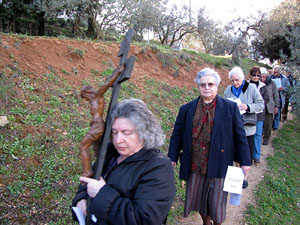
column 226, row 10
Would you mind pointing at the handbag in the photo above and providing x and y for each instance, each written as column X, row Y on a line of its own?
column 249, row 119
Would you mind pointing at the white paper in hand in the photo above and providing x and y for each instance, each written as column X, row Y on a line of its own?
column 81, row 217
column 234, row 180
column 277, row 81
column 238, row 102
column 79, row 214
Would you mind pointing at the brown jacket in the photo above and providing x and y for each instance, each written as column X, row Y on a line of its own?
column 273, row 96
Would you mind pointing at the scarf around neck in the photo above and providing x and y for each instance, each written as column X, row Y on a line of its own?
column 237, row 91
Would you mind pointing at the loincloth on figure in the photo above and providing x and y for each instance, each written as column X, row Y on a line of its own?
column 96, row 130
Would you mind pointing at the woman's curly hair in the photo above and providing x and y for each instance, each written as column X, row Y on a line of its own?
column 145, row 122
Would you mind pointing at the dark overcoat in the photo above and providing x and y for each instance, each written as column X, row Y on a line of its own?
column 139, row 190
column 228, row 139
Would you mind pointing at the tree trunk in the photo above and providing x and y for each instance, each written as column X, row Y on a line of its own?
column 235, row 56
column 41, row 23
column 91, row 32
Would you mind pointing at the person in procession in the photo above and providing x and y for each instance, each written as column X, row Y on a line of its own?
column 137, row 185
column 208, row 136
column 254, row 79
column 282, row 83
column 271, row 108
column 250, row 98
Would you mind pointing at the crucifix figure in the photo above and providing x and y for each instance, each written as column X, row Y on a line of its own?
column 100, row 131
column 96, row 99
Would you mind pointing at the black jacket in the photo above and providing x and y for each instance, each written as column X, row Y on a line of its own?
column 139, row 190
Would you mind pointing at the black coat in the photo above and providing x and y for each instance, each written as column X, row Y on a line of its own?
column 139, row 190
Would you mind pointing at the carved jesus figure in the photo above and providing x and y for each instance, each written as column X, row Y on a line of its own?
column 96, row 99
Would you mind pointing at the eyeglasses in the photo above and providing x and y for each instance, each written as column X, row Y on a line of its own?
column 255, row 75
column 235, row 80
column 209, row 85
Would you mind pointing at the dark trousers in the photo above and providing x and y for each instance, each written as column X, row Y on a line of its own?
column 285, row 109
column 267, row 126
column 250, row 140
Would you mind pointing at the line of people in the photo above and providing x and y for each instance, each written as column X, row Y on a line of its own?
column 210, row 134
column 138, row 186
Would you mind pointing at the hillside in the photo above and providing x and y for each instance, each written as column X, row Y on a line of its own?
column 40, row 79
column 75, row 60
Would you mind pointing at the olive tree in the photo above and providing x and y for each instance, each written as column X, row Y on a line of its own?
column 144, row 15
column 242, row 30
column 172, row 26
column 279, row 40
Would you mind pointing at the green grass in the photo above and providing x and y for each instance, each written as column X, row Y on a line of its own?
column 107, row 72
column 278, row 195
column 216, row 61
column 77, row 51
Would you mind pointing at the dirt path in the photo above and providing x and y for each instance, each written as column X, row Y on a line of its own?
column 256, row 174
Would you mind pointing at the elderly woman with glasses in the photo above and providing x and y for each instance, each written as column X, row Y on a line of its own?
column 250, row 100
column 208, row 136
column 137, row 185
column 254, row 79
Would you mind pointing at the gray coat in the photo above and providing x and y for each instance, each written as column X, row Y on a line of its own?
column 273, row 96
column 250, row 95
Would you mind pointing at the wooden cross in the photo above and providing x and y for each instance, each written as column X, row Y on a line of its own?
column 128, row 64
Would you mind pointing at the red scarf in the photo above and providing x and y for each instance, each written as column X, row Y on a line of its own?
column 203, row 122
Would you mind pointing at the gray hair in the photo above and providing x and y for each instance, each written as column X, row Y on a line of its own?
column 207, row 72
column 236, row 71
column 277, row 68
column 145, row 122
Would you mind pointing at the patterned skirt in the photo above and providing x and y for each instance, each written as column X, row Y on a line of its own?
column 206, row 196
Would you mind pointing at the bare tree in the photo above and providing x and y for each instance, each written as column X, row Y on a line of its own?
column 173, row 26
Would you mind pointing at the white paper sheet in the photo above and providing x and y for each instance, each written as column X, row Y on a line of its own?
column 277, row 81
column 81, row 217
column 79, row 214
column 234, row 180
column 238, row 102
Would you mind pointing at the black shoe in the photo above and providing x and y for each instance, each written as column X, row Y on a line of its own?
column 265, row 142
column 245, row 184
column 256, row 160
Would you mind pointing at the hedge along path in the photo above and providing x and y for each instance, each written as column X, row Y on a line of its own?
column 235, row 214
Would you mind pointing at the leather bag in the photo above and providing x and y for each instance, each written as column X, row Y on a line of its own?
column 249, row 119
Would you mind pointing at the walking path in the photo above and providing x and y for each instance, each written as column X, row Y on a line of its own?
column 256, row 174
